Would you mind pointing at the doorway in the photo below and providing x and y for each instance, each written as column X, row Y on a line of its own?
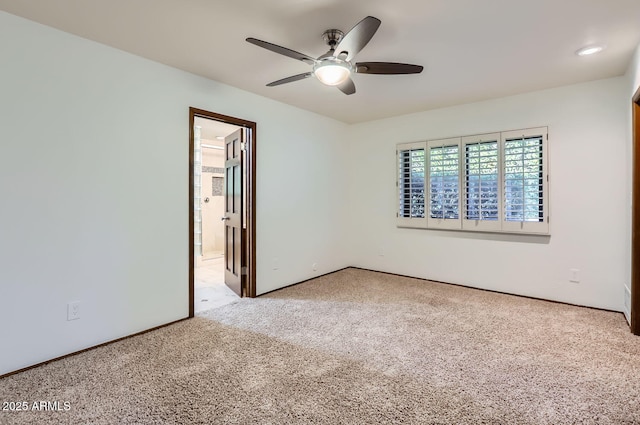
column 221, row 209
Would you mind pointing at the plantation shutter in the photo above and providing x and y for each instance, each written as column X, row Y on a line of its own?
column 444, row 183
column 525, row 181
column 482, row 182
column 411, row 185
column 496, row 182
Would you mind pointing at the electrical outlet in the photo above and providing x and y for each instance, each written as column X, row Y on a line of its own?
column 575, row 275
column 275, row 264
column 73, row 310
column 314, row 266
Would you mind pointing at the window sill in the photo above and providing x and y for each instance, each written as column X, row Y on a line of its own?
column 542, row 229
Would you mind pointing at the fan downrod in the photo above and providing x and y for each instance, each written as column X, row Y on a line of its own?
column 332, row 37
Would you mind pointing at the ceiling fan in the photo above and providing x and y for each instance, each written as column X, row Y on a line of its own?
column 334, row 68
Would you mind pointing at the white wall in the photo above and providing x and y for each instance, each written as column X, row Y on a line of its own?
column 85, row 216
column 633, row 73
column 213, row 209
column 589, row 197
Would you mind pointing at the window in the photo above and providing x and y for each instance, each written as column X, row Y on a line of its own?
column 491, row 182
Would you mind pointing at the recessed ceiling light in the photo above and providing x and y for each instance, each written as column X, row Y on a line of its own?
column 212, row 146
column 219, row 138
column 590, row 50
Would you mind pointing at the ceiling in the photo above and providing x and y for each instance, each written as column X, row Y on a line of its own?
column 212, row 130
column 471, row 50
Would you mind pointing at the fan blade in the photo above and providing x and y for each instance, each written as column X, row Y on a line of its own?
column 291, row 79
column 357, row 37
column 389, row 68
column 347, row 87
column 282, row 50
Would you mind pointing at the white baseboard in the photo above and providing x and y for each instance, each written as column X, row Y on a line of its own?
column 627, row 304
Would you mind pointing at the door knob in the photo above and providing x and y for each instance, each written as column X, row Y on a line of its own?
column 224, row 218
column 206, row 199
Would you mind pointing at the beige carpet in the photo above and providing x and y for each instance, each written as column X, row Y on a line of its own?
column 354, row 347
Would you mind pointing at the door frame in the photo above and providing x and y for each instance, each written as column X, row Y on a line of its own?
column 635, row 217
column 250, row 175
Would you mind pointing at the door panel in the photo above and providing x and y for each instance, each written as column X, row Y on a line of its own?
column 233, row 211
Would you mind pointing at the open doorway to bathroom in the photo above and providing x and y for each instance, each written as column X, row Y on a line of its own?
column 222, row 231
column 209, row 212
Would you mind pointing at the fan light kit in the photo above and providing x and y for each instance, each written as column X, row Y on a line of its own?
column 334, row 68
column 332, row 71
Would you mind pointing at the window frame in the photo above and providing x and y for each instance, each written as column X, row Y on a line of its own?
column 477, row 225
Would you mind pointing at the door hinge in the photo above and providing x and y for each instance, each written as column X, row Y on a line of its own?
column 548, row 219
column 547, row 178
column 244, row 271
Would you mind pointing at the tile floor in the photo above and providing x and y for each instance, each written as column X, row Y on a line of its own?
column 210, row 290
